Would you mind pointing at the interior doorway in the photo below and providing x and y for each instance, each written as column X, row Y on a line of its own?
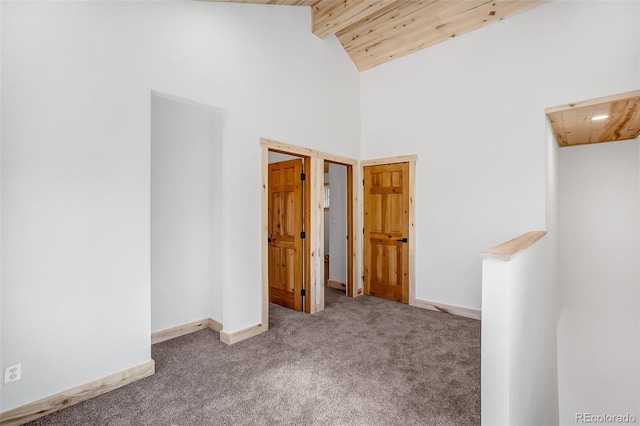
column 286, row 233
column 386, row 231
column 287, row 227
column 313, row 229
column 388, row 254
column 336, row 227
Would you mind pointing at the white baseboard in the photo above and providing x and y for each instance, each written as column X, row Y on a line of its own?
column 238, row 336
column 64, row 399
column 449, row 309
column 181, row 330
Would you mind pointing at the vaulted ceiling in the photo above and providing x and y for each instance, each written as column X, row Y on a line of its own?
column 377, row 31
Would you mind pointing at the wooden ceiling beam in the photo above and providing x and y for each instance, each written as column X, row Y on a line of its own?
column 406, row 24
column 331, row 16
column 431, row 25
column 273, row 2
column 378, row 26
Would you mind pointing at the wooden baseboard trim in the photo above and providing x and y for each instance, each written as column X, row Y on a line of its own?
column 337, row 285
column 215, row 325
column 448, row 309
column 61, row 400
column 238, row 336
column 181, row 330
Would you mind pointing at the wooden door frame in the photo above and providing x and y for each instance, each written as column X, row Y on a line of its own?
column 411, row 159
column 314, row 222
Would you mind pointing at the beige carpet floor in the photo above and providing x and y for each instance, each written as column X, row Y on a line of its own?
column 363, row 361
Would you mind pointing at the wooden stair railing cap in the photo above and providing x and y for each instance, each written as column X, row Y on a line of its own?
column 509, row 250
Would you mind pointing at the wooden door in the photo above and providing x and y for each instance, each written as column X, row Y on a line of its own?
column 386, row 231
column 285, row 234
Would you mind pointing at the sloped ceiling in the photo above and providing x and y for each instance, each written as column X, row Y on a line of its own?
column 377, row 31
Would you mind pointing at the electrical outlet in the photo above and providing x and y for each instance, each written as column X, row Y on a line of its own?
column 12, row 373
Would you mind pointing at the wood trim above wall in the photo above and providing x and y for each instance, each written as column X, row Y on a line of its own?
column 389, row 160
column 67, row 398
column 297, row 150
column 332, row 158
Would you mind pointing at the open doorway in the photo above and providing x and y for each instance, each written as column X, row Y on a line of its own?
column 313, row 242
column 336, row 234
column 388, row 208
column 287, row 227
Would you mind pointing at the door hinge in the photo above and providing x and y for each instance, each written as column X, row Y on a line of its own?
column 363, row 278
column 268, row 239
column 303, row 292
column 363, row 230
column 303, row 235
column 347, row 237
column 362, row 182
column 303, row 176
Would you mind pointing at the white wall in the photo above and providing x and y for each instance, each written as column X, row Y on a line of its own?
column 338, row 223
column 77, row 77
column 598, row 336
column 472, row 108
column 520, row 309
column 75, row 186
column 519, row 370
column 533, row 334
column 186, row 189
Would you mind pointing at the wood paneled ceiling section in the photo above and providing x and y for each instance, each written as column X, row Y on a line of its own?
column 573, row 124
column 376, row 31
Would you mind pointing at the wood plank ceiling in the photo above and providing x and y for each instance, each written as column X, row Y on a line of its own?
column 376, row 31
column 609, row 119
